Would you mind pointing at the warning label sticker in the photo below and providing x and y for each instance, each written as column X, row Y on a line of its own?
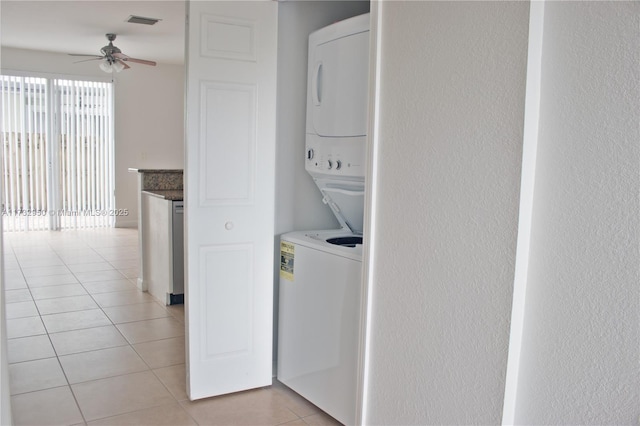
column 286, row 260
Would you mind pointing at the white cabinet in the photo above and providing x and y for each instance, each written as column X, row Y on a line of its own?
column 162, row 258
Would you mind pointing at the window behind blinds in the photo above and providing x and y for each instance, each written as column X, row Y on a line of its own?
column 57, row 138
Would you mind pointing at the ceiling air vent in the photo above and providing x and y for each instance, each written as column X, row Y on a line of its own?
column 142, row 20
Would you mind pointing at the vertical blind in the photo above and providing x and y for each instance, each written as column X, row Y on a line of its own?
column 57, row 138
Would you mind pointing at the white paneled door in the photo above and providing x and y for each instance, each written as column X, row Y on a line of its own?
column 229, row 194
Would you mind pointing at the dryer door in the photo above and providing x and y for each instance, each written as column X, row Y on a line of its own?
column 338, row 82
column 347, row 204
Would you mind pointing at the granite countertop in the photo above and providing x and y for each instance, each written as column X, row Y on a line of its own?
column 167, row 194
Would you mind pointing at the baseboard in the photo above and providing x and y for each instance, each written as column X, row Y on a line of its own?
column 128, row 223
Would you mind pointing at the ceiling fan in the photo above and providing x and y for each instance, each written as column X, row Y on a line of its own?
column 112, row 58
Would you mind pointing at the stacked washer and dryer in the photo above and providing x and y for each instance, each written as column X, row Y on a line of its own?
column 320, row 274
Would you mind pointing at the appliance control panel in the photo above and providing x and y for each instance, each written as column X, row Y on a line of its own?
column 340, row 157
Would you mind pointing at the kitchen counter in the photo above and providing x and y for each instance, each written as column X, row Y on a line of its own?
column 159, row 179
column 155, row 186
column 133, row 169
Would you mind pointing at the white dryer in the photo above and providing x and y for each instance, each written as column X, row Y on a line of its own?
column 320, row 277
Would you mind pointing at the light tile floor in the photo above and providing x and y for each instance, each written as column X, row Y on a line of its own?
column 86, row 347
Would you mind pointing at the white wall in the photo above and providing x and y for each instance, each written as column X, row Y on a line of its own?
column 149, row 122
column 149, row 115
column 449, row 159
column 580, row 352
column 450, row 117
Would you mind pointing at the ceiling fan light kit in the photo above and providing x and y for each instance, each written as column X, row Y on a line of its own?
column 112, row 58
column 108, row 66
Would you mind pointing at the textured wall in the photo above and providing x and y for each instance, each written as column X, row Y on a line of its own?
column 450, row 140
column 580, row 352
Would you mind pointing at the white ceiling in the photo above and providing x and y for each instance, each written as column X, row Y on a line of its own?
column 80, row 27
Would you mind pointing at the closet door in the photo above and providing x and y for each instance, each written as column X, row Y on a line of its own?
column 229, row 194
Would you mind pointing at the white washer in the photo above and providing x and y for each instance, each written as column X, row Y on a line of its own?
column 319, row 317
column 319, row 306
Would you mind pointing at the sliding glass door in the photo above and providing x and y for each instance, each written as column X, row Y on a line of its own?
column 57, row 141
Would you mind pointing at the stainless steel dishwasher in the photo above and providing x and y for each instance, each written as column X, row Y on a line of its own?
column 177, row 232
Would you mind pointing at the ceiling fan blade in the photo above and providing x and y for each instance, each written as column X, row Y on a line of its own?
column 82, row 54
column 124, row 57
column 97, row 58
column 141, row 61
